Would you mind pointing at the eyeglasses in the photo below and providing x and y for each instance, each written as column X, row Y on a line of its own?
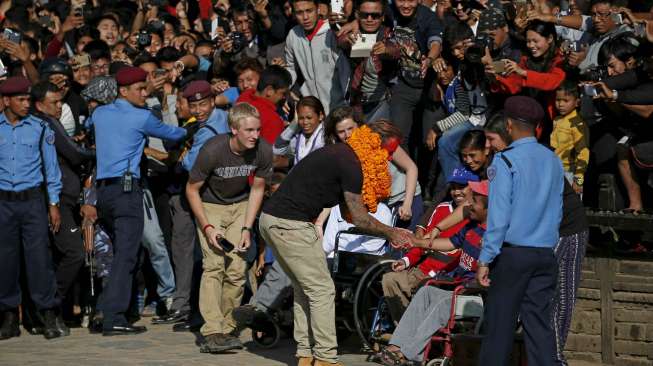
column 603, row 15
column 365, row 15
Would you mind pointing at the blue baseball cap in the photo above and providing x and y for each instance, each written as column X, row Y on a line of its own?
column 462, row 175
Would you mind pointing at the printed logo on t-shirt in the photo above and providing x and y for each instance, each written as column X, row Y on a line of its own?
column 466, row 261
column 234, row 171
column 411, row 56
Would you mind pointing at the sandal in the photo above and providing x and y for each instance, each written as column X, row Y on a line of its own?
column 631, row 211
column 390, row 358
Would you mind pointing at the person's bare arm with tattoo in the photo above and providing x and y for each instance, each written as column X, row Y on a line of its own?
column 365, row 222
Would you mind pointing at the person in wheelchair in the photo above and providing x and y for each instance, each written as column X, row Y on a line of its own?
column 276, row 288
column 420, row 264
column 430, row 308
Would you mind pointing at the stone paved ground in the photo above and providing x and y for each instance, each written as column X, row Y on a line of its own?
column 159, row 346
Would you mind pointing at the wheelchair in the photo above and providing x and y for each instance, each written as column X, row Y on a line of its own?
column 465, row 320
column 358, row 301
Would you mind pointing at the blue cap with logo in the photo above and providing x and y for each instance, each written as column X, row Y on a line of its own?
column 462, row 175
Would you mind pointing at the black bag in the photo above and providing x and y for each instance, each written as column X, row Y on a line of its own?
column 643, row 154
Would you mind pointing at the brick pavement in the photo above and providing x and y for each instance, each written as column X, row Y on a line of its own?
column 158, row 347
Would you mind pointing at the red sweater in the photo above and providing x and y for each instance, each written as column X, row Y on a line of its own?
column 447, row 261
column 271, row 123
column 545, row 81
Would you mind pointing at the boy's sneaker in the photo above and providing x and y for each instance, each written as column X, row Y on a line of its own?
column 232, row 339
column 217, row 343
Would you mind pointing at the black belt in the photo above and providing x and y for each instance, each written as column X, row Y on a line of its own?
column 26, row 195
column 111, row 181
column 508, row 245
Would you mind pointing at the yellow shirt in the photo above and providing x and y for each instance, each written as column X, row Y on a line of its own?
column 570, row 139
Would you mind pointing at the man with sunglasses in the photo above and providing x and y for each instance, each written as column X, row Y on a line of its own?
column 371, row 77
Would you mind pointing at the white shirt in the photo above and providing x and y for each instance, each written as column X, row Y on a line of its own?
column 354, row 243
column 67, row 119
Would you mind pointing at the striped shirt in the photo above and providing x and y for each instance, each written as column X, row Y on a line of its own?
column 469, row 239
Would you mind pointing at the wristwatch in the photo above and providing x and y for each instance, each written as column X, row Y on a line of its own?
column 245, row 228
column 482, row 264
column 52, row 204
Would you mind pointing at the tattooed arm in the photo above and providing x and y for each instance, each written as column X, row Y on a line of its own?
column 368, row 224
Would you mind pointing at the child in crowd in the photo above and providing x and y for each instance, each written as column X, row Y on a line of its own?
column 570, row 136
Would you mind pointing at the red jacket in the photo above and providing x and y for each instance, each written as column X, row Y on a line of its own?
column 271, row 122
column 545, row 81
column 445, row 261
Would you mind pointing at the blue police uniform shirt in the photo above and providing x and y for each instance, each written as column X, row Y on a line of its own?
column 20, row 157
column 525, row 198
column 218, row 124
column 121, row 130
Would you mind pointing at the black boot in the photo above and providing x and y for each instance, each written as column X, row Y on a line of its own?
column 9, row 327
column 50, row 325
column 61, row 325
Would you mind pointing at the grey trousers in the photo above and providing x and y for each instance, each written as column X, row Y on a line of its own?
column 273, row 290
column 182, row 248
column 428, row 311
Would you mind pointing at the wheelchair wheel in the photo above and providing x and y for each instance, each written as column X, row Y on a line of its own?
column 267, row 336
column 368, row 300
column 440, row 362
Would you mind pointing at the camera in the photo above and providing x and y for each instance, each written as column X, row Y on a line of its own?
column 617, row 18
column 12, row 35
column 238, row 41
column 571, row 46
column 143, row 39
column 595, row 74
column 476, row 51
column 590, row 90
column 468, row 4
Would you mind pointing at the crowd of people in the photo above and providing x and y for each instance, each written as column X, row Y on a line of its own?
column 192, row 161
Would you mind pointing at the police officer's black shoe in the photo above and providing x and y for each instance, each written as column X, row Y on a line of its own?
column 50, row 329
column 187, row 326
column 9, row 326
column 175, row 316
column 123, row 330
column 61, row 325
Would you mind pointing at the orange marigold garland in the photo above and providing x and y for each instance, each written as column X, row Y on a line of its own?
column 374, row 161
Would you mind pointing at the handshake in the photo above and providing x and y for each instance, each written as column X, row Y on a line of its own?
column 402, row 238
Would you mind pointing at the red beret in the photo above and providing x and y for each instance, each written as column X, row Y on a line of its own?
column 129, row 75
column 524, row 109
column 15, row 85
column 197, row 90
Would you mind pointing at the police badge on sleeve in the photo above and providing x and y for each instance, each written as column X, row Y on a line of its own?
column 49, row 139
column 491, row 172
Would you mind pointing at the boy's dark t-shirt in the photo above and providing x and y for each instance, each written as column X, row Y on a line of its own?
column 228, row 176
column 317, row 182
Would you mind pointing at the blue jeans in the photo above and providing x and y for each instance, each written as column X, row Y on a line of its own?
column 154, row 243
column 448, row 150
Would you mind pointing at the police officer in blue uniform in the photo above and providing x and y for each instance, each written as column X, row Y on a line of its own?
column 28, row 162
column 121, row 130
column 517, row 260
